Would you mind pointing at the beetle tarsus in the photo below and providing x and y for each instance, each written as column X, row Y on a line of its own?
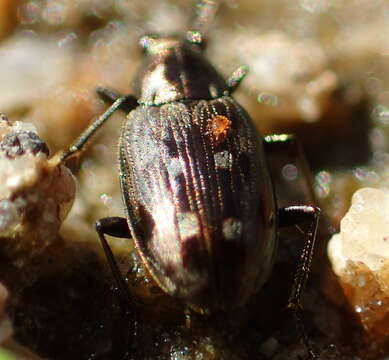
column 109, row 96
column 299, row 317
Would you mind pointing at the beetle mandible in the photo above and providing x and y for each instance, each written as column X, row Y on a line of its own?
column 197, row 191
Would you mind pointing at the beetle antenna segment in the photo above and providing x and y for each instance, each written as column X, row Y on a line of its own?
column 89, row 132
column 235, row 79
column 204, row 15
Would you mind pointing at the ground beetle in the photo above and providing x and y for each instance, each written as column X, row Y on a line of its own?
column 195, row 182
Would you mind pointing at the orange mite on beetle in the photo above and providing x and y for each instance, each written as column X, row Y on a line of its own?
column 197, row 191
column 218, row 128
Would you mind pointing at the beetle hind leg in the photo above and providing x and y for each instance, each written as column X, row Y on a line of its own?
column 122, row 343
column 117, row 227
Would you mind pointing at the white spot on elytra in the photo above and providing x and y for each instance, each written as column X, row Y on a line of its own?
column 149, row 153
column 232, row 229
column 188, row 224
column 222, row 159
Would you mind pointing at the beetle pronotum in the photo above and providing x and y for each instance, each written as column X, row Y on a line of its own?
column 197, row 192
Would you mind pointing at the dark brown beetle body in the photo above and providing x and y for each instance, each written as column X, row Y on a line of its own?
column 200, row 207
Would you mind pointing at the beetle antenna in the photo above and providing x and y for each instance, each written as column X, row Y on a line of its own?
column 202, row 20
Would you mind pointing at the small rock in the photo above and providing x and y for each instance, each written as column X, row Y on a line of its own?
column 360, row 257
column 35, row 192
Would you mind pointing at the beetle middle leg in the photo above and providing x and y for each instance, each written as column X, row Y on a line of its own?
column 123, row 343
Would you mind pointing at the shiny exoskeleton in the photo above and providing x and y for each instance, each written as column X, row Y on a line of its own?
column 199, row 200
column 197, row 191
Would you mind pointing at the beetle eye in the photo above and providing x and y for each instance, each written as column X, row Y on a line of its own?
column 196, row 38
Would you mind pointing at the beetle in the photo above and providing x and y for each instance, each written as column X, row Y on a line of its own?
column 195, row 181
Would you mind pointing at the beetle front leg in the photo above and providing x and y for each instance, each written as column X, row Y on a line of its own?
column 89, row 132
column 109, row 96
column 123, row 344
